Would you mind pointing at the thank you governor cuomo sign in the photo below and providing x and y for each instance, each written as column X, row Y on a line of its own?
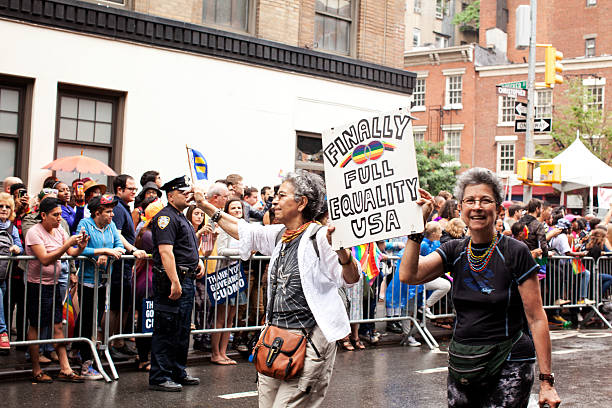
column 372, row 180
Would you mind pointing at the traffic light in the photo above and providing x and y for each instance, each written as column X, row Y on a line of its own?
column 552, row 67
column 524, row 170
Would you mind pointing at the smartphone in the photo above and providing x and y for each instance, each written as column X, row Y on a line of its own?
column 22, row 193
column 79, row 188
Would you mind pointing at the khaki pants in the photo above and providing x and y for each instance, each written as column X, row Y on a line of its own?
column 307, row 390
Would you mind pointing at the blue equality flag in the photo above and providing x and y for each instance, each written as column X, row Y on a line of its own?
column 200, row 165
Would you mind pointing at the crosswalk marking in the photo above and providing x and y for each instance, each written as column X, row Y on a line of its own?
column 433, row 370
column 239, row 395
column 568, row 351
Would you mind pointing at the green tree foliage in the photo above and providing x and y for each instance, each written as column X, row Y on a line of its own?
column 575, row 113
column 469, row 19
column 435, row 169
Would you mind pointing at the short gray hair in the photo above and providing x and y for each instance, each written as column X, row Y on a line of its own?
column 479, row 175
column 216, row 189
column 311, row 186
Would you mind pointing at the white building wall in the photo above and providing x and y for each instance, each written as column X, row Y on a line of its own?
column 243, row 118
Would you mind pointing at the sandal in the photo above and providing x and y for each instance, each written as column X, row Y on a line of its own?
column 146, row 366
column 345, row 343
column 358, row 344
column 42, row 377
column 72, row 377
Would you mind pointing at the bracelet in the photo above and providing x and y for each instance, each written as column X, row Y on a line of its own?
column 350, row 258
column 418, row 237
column 216, row 216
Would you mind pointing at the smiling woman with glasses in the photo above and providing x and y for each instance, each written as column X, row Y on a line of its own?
column 495, row 286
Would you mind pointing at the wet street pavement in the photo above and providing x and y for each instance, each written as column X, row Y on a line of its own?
column 385, row 376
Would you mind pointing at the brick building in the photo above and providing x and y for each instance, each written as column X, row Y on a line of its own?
column 487, row 137
column 131, row 82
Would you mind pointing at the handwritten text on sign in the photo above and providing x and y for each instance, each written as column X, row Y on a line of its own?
column 372, row 180
column 225, row 283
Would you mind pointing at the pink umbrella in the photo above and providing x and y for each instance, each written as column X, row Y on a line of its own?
column 80, row 164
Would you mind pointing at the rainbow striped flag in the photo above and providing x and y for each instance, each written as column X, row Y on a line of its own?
column 68, row 314
column 577, row 266
column 368, row 256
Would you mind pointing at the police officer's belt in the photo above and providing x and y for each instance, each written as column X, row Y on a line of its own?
column 182, row 272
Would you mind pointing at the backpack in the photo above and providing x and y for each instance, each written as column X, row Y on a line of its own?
column 6, row 242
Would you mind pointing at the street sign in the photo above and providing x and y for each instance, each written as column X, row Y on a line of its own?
column 539, row 125
column 513, row 92
column 520, row 108
column 515, row 84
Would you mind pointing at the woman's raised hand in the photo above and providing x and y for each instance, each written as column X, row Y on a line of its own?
column 426, row 202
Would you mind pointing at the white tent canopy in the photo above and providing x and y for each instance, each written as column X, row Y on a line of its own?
column 580, row 168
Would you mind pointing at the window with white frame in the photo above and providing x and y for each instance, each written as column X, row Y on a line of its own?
column 333, row 20
column 591, row 3
column 453, row 90
column 505, row 157
column 452, row 143
column 416, row 37
column 417, row 6
column 506, row 110
column 441, row 41
column 439, row 8
column 595, row 97
column 543, row 104
column 419, row 93
column 589, row 45
column 419, row 136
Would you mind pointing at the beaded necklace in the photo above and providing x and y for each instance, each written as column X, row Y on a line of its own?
column 479, row 262
column 290, row 235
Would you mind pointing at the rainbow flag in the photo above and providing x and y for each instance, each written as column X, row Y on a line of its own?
column 577, row 266
column 69, row 314
column 368, row 256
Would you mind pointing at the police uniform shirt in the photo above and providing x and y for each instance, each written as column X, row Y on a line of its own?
column 171, row 227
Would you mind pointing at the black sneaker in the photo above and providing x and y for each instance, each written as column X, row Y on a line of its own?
column 117, row 355
column 168, row 386
column 394, row 327
column 127, row 350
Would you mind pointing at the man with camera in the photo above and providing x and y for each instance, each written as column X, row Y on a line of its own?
column 176, row 265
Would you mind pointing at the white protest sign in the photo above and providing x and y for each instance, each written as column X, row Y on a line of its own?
column 372, row 180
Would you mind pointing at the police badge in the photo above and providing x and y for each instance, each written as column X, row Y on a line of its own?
column 163, row 221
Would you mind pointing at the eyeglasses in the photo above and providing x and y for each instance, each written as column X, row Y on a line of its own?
column 133, row 189
column 281, row 195
column 484, row 202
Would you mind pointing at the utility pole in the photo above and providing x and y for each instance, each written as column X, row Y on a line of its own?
column 529, row 144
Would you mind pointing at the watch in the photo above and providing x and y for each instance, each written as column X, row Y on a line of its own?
column 216, row 216
column 548, row 377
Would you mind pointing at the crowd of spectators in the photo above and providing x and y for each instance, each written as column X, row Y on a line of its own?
column 81, row 218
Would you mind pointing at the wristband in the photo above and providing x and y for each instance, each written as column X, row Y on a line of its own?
column 418, row 237
column 550, row 378
column 216, row 216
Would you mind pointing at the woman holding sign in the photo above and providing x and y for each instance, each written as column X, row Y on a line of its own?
column 305, row 315
column 226, row 310
column 495, row 286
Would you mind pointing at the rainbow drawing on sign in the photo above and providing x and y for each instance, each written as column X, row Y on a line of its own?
column 362, row 153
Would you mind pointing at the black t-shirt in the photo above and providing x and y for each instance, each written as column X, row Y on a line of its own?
column 488, row 304
column 171, row 227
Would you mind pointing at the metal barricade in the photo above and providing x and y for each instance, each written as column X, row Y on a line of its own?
column 36, row 299
column 604, row 269
column 573, row 282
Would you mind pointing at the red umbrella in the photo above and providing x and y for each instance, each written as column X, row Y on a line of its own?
column 80, row 164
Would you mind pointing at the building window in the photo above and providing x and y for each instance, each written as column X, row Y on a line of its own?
column 333, row 25
column 417, row 6
column 453, row 90
column 87, row 123
column 589, row 44
column 441, row 41
column 505, row 157
column 419, row 136
column 506, row 110
column 439, row 8
column 233, row 14
column 11, row 125
column 543, row 107
column 309, row 152
column 419, row 93
column 452, row 144
column 416, row 37
column 595, row 97
column 591, row 3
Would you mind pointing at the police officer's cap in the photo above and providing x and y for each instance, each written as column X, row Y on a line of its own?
column 179, row 183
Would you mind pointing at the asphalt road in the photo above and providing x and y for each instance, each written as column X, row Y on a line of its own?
column 386, row 376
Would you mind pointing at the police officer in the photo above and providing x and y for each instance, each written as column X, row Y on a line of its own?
column 176, row 264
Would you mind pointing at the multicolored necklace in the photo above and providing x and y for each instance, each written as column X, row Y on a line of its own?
column 290, row 235
column 479, row 262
